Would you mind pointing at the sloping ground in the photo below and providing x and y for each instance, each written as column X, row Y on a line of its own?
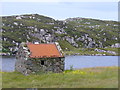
column 99, row 77
column 74, row 32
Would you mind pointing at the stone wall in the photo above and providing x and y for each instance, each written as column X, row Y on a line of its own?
column 45, row 64
column 33, row 65
column 21, row 57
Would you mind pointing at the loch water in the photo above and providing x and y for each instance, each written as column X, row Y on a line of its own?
column 77, row 62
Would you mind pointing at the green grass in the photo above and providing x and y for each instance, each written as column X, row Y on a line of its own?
column 99, row 77
column 64, row 44
column 112, row 49
column 0, row 81
column 90, row 51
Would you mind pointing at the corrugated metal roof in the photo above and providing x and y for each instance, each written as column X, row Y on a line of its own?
column 43, row 50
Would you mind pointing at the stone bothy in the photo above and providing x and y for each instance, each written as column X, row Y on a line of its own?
column 32, row 58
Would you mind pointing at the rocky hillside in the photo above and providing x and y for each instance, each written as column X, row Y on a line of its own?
column 70, row 33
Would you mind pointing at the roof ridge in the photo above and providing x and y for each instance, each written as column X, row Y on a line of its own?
column 40, row 43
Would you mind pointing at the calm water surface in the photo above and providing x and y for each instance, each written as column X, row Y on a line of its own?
column 8, row 64
column 90, row 61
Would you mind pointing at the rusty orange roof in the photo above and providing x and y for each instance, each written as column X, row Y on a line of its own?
column 43, row 50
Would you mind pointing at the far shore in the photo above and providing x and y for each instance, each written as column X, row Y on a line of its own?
column 13, row 56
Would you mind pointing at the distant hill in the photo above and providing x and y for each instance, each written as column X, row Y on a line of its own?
column 70, row 33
